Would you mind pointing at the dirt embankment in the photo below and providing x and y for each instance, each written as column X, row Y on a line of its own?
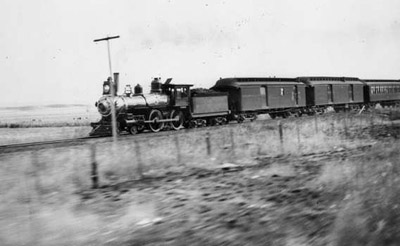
column 278, row 201
column 274, row 202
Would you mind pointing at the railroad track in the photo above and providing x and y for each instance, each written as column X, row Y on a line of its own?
column 29, row 146
column 18, row 147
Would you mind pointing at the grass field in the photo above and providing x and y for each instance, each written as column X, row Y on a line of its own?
column 58, row 115
column 41, row 123
column 47, row 197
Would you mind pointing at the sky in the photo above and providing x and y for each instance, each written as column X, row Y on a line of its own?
column 47, row 53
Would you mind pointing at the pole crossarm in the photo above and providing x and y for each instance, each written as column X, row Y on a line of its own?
column 105, row 39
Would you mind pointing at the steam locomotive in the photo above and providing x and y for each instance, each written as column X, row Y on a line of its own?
column 176, row 106
column 167, row 106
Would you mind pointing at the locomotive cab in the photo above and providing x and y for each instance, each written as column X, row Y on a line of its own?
column 179, row 94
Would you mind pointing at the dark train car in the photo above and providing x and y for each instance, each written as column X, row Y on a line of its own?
column 384, row 92
column 333, row 91
column 263, row 95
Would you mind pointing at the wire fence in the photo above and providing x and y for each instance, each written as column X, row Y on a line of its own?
column 31, row 181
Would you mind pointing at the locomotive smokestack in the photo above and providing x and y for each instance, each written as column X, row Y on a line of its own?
column 116, row 81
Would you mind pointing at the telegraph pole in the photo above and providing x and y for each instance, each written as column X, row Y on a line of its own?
column 113, row 116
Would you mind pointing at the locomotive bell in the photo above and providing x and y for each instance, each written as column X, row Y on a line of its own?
column 156, row 85
column 138, row 89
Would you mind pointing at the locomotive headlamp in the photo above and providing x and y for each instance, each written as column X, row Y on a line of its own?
column 104, row 106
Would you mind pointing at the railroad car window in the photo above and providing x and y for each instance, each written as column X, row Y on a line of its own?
column 184, row 92
column 330, row 94
column 181, row 93
column 351, row 92
column 262, row 91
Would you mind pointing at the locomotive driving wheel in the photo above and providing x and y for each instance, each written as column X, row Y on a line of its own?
column 177, row 115
column 155, row 116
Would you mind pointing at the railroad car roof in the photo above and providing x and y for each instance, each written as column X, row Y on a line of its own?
column 254, row 81
column 176, row 85
column 329, row 80
column 381, row 81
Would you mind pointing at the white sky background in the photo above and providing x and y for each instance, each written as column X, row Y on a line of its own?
column 47, row 53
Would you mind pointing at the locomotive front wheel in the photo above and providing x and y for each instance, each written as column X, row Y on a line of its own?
column 156, row 115
column 178, row 115
column 133, row 130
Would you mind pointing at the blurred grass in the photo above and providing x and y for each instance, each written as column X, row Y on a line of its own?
column 35, row 184
column 370, row 211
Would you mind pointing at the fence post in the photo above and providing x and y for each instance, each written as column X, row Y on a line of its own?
column 32, row 226
column 332, row 128
column 345, row 126
column 36, row 173
column 280, row 128
column 316, row 122
column 298, row 137
column 178, row 150
column 208, row 143
column 371, row 121
column 139, row 168
column 94, row 173
column 232, row 143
